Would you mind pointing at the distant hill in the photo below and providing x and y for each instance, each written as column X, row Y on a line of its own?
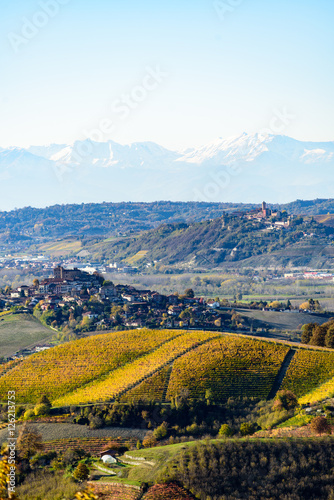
column 102, row 220
column 226, row 241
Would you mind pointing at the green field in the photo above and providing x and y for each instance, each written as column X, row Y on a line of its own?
column 18, row 331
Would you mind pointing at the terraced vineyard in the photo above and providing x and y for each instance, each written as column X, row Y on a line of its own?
column 228, row 366
column 308, row 370
column 62, row 369
column 154, row 365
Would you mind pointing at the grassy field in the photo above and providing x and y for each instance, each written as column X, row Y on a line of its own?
column 147, row 463
column 19, row 331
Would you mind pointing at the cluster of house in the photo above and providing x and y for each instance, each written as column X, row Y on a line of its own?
column 273, row 219
column 266, row 214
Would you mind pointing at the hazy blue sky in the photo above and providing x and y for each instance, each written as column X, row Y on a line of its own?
column 230, row 64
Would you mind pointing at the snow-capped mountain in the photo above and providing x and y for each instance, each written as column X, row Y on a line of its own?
column 249, row 147
column 107, row 154
column 247, row 168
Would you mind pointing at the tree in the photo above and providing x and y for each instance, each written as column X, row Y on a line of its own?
column 28, row 442
column 318, row 336
column 320, row 425
column 225, row 430
column 35, row 283
column 329, row 338
column 185, row 314
column 209, row 397
column 189, row 292
column 28, row 414
column 276, row 305
column 81, row 472
column 41, row 409
column 285, row 400
column 218, row 322
column 149, row 440
column 161, row 431
column 307, row 331
column 246, row 429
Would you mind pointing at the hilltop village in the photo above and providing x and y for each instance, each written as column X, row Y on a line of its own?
column 75, row 303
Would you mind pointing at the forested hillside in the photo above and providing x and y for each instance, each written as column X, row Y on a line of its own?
column 225, row 240
column 112, row 219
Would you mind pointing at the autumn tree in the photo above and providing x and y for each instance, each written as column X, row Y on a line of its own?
column 36, row 283
column 81, row 472
column 329, row 338
column 318, row 336
column 225, row 430
column 320, row 425
column 307, row 331
column 28, row 442
column 44, row 400
column 285, row 400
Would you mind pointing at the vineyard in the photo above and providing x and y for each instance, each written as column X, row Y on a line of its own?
column 151, row 389
column 89, row 445
column 228, row 366
column 324, row 391
column 127, row 376
column 62, row 369
column 308, row 370
column 155, row 365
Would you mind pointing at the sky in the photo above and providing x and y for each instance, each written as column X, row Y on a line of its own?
column 180, row 73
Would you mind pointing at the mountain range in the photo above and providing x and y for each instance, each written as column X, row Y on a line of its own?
column 248, row 168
